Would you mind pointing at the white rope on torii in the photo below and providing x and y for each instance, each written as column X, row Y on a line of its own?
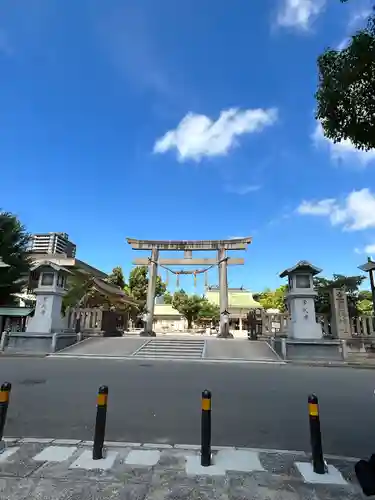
column 194, row 272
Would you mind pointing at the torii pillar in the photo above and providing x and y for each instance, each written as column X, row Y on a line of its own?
column 223, row 282
column 150, row 304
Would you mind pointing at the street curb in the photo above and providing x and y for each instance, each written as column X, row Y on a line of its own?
column 149, row 359
column 332, row 364
column 23, row 355
column 163, row 446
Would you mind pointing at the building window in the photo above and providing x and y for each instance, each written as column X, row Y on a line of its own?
column 302, row 281
column 47, row 279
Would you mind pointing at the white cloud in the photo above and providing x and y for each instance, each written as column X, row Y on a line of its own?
column 370, row 248
column 322, row 207
column 198, row 136
column 344, row 150
column 355, row 213
column 344, row 43
column 299, row 13
column 359, row 17
column 243, row 189
column 356, row 21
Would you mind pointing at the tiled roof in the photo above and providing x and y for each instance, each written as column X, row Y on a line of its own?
column 165, row 310
column 236, row 299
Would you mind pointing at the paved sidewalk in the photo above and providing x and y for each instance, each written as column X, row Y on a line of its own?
column 47, row 469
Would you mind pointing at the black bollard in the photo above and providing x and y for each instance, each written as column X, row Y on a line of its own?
column 101, row 416
column 4, row 402
column 315, row 436
column 206, row 429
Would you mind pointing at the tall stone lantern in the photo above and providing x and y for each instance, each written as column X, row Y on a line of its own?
column 49, row 295
column 300, row 301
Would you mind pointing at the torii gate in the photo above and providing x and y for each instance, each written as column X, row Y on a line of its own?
column 222, row 261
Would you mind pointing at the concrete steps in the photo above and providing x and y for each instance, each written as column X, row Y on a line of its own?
column 172, row 348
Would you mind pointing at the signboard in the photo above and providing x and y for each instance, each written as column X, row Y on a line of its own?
column 239, row 244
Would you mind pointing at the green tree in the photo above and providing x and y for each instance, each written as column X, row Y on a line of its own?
column 273, row 299
column 117, row 277
column 188, row 305
column 209, row 311
column 82, row 293
column 346, row 89
column 324, row 286
column 13, row 250
column 168, row 298
column 364, row 304
column 138, row 283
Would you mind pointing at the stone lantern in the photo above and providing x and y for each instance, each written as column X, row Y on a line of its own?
column 301, row 301
column 49, row 293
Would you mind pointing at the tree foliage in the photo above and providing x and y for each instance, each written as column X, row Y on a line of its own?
column 364, row 304
column 194, row 307
column 209, row 311
column 273, row 299
column 13, row 250
column 188, row 305
column 324, row 286
column 346, row 90
column 117, row 277
column 168, row 298
column 82, row 293
column 138, row 283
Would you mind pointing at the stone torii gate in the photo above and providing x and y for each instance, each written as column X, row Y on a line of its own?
column 222, row 261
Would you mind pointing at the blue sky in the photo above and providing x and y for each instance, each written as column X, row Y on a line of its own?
column 183, row 119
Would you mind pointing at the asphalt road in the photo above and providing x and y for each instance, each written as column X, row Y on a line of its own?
column 257, row 405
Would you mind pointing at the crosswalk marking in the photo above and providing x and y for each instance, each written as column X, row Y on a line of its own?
column 55, row 454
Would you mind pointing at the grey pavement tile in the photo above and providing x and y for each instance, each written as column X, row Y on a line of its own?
column 266, row 486
column 167, row 478
column 127, row 474
column 251, row 480
column 280, row 463
column 57, row 470
column 173, row 459
column 15, row 488
column 328, row 492
column 264, row 493
column 185, row 492
column 21, row 463
column 346, row 468
column 47, row 489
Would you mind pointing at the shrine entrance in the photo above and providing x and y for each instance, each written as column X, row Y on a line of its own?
column 221, row 261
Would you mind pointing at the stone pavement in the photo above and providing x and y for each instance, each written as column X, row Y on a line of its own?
column 47, row 469
column 177, row 347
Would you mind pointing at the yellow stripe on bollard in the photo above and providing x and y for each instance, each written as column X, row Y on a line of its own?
column 206, row 404
column 313, row 409
column 4, row 396
column 102, row 399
